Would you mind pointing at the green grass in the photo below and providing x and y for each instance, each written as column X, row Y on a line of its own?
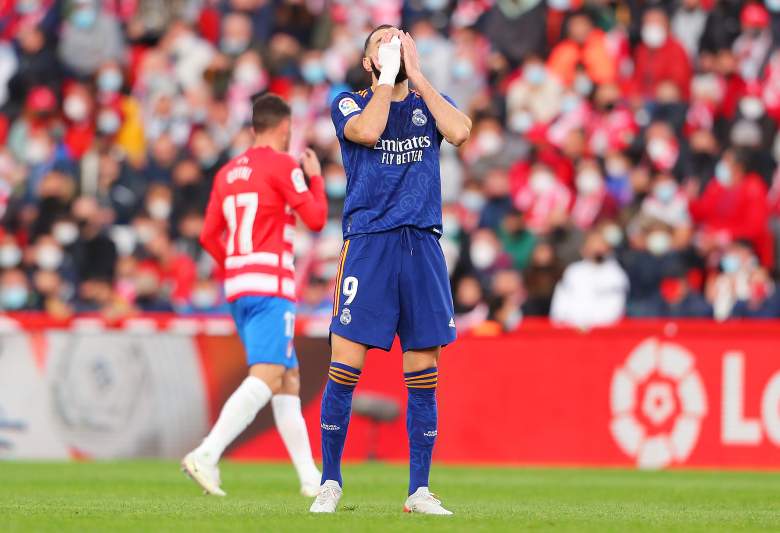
column 155, row 496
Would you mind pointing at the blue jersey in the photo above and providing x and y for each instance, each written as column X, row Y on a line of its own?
column 397, row 181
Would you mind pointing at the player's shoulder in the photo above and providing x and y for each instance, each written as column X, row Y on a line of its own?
column 348, row 102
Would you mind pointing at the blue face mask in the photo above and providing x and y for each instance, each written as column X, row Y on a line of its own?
column 313, row 73
column 665, row 191
column 336, row 188
column 13, row 298
column 772, row 5
column 109, row 81
column 462, row 69
column 535, row 74
column 83, row 18
column 729, row 263
column 723, row 174
column 424, row 45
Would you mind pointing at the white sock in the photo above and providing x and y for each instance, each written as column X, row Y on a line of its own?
column 237, row 413
column 292, row 428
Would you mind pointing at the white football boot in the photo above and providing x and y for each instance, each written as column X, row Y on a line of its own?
column 327, row 498
column 202, row 473
column 424, row 502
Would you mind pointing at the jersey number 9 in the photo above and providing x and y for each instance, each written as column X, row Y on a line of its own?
column 350, row 289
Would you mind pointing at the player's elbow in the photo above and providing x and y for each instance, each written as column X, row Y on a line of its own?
column 364, row 135
column 460, row 136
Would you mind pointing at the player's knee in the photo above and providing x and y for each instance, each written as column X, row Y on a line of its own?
column 291, row 382
column 272, row 375
column 416, row 360
column 347, row 352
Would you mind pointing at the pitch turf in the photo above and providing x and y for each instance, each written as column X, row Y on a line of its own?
column 155, row 496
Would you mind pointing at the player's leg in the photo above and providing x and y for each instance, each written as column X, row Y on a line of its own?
column 261, row 324
column 425, row 325
column 346, row 365
column 292, row 428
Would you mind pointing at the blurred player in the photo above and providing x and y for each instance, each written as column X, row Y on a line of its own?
column 248, row 230
column 392, row 276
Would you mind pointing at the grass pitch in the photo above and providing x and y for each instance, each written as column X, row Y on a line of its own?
column 155, row 496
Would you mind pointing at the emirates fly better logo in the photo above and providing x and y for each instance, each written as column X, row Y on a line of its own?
column 658, row 401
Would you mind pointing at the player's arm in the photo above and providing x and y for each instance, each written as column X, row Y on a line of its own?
column 309, row 201
column 366, row 127
column 212, row 234
column 451, row 122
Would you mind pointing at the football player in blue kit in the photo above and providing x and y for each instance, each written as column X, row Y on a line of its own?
column 392, row 278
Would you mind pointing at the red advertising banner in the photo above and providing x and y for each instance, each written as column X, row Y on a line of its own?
column 649, row 394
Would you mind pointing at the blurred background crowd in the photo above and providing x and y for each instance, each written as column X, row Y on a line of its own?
column 623, row 159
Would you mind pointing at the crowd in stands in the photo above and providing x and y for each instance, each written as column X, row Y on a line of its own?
column 622, row 160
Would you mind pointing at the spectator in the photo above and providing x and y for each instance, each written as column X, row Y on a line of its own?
column 753, row 45
column 734, row 206
column 688, row 24
column 14, row 290
column 584, row 53
column 592, row 291
column 90, row 36
column 681, row 301
column 659, row 58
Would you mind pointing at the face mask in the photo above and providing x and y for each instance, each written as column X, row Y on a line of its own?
column 336, row 187
column 36, row 152
column 772, row 5
column 588, row 182
column 159, row 209
column 10, row 256
column 145, row 233
column 665, row 191
column 653, row 35
column 541, row 182
column 313, row 73
column 729, row 263
column 489, row 142
column 583, row 85
column 521, row 121
column 208, row 161
column 65, row 233
column 472, row 200
column 48, row 257
column 14, row 297
column 75, row 108
column 203, row 298
column 723, row 174
column 482, row 254
column 559, row 5
column 659, row 242
column 613, row 235
column 570, row 103
column 247, row 74
column 425, row 45
column 751, row 107
column 462, row 69
column 232, row 46
column 535, row 74
column 616, row 169
column 662, row 153
column 109, row 81
column 108, row 122
column 450, row 225
column 83, row 18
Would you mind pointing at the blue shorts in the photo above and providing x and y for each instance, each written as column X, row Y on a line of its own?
column 394, row 282
column 266, row 325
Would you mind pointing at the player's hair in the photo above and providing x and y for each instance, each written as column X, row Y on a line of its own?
column 268, row 110
column 368, row 39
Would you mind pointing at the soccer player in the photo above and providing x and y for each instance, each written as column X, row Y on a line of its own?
column 249, row 230
column 392, row 276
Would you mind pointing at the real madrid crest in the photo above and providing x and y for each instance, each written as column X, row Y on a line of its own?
column 419, row 118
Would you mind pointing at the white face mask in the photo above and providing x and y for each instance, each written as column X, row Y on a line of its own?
column 75, row 108
column 659, row 242
column 10, row 256
column 653, row 35
column 751, row 107
column 613, row 235
column 489, row 142
column 48, row 257
column 247, row 74
column 541, row 182
column 66, row 233
column 36, row 152
column 159, row 209
column 482, row 254
column 588, row 182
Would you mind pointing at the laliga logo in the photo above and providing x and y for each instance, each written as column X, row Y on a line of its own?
column 658, row 401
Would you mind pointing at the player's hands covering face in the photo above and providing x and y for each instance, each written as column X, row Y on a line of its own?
column 389, row 60
column 411, row 58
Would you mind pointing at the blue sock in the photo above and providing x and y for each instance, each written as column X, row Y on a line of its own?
column 421, row 424
column 334, row 417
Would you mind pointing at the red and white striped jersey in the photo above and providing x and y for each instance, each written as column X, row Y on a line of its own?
column 250, row 225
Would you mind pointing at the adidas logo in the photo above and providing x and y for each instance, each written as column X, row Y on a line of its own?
column 452, row 322
column 430, row 433
column 330, row 427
